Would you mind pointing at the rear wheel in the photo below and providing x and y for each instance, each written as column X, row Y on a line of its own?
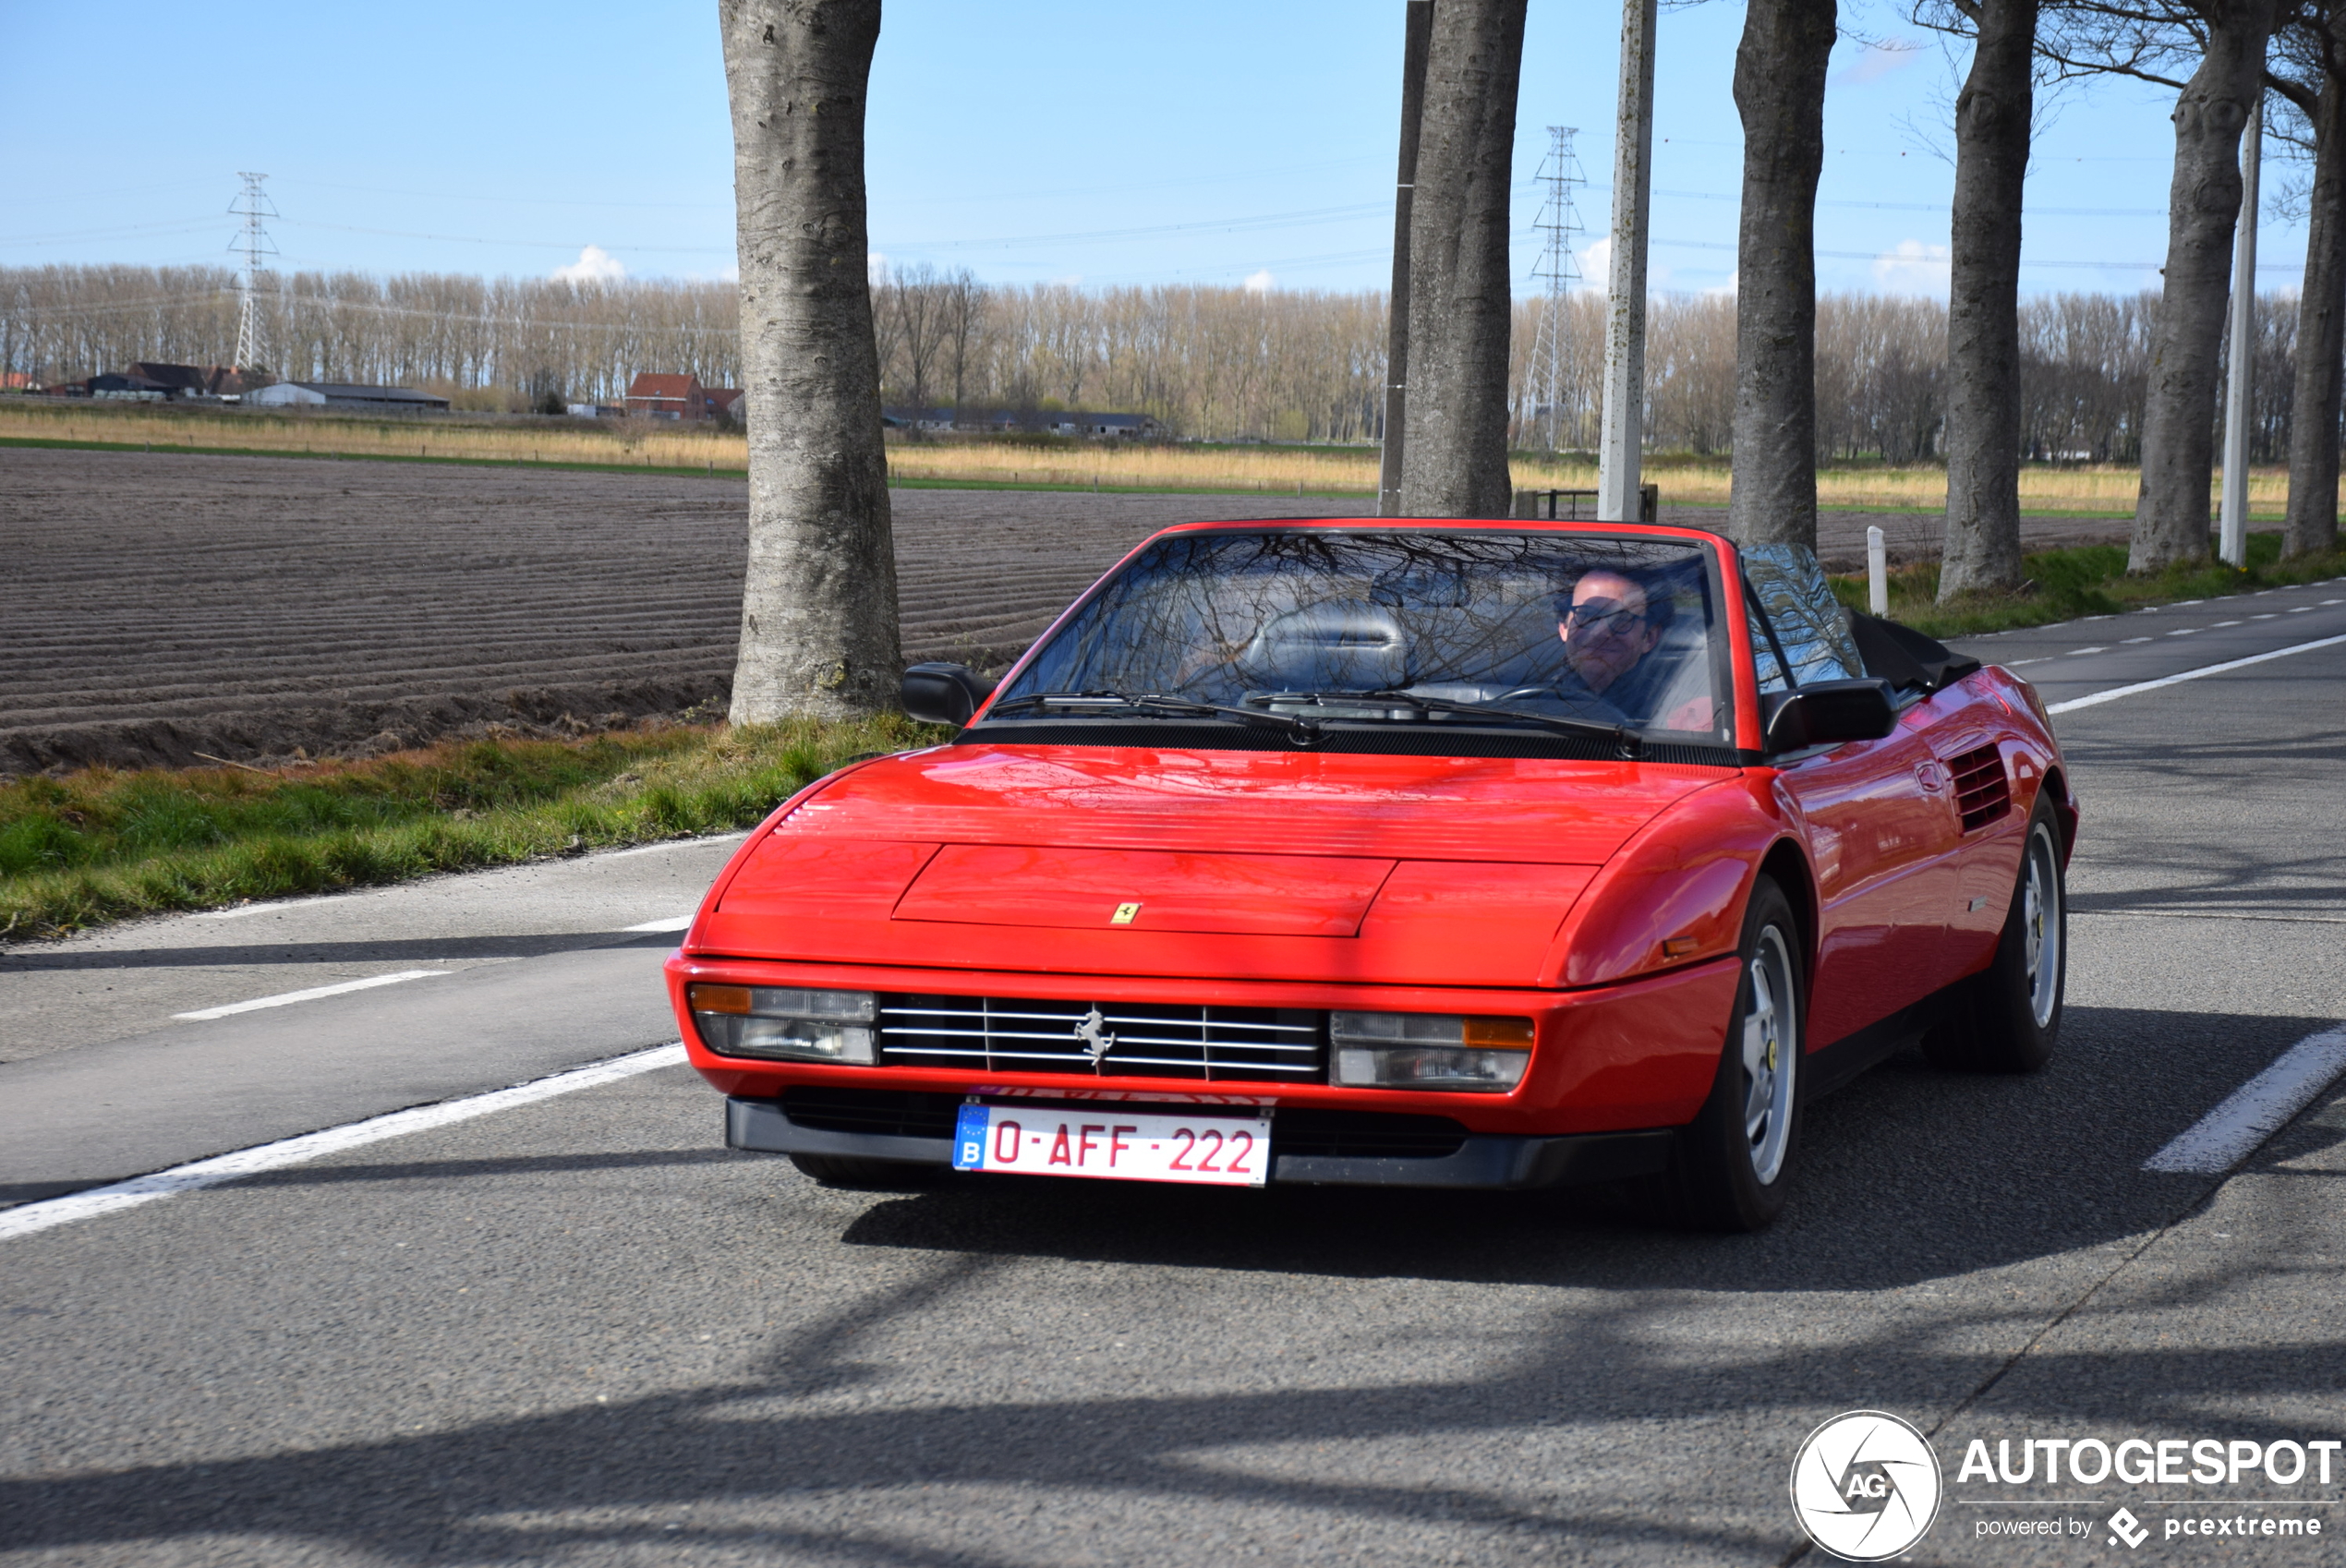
column 861, row 1174
column 2007, row 1018
column 1733, row 1165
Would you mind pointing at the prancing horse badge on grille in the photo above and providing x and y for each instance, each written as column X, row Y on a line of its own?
column 1092, row 1029
column 1124, row 913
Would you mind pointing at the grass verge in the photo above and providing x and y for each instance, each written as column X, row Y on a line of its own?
column 2086, row 580
column 101, row 845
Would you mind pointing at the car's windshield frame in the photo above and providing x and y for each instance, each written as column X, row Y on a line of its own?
column 1069, row 719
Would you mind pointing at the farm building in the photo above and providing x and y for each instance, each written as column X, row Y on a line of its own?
column 655, row 396
column 724, row 403
column 343, row 394
column 1002, row 421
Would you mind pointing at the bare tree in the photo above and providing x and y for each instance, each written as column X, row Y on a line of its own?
column 2309, row 59
column 1455, row 434
column 964, row 319
column 1780, row 91
column 818, row 612
column 921, row 305
column 2150, row 40
column 1993, row 115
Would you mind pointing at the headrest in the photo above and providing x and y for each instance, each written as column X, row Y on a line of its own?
column 1334, row 645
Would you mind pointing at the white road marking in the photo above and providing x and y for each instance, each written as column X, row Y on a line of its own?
column 2257, row 1109
column 2227, row 622
column 2302, row 609
column 2266, row 616
column 673, row 844
column 669, row 923
column 2334, row 601
column 2183, row 631
column 314, row 993
column 2073, row 653
column 2138, row 639
column 2117, row 692
column 261, row 909
column 31, row 1217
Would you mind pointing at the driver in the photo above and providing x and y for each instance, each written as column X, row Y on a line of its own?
column 1607, row 626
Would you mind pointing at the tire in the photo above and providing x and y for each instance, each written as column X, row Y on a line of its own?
column 859, row 1175
column 2007, row 1018
column 1733, row 1164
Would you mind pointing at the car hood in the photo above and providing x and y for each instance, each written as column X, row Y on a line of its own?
column 1292, row 865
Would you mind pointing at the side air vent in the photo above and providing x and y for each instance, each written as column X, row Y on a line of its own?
column 1982, row 793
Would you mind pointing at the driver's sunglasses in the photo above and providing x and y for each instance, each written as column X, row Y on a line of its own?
column 1599, row 616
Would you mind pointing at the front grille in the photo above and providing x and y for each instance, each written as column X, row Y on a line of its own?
column 1982, row 794
column 892, row 1113
column 1110, row 1040
column 1366, row 1135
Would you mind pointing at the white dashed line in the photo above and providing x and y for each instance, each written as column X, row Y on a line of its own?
column 666, row 844
column 2184, row 630
column 2227, row 622
column 314, row 993
column 2073, row 653
column 2016, row 663
column 2334, row 601
column 2302, row 609
column 668, row 922
column 31, row 1217
column 2257, row 1109
column 2117, row 692
column 2138, row 639
column 2266, row 616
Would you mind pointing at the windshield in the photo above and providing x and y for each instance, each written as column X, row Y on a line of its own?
column 1448, row 628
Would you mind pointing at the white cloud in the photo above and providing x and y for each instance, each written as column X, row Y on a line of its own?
column 1880, row 59
column 1260, row 282
column 1727, row 289
column 595, row 265
column 1912, row 267
column 875, row 267
column 1596, row 264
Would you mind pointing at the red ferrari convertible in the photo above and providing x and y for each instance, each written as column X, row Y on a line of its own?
column 1426, row 853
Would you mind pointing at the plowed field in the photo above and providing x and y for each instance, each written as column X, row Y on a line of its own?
column 155, row 607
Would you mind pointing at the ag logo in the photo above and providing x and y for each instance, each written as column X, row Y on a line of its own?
column 1866, row 1486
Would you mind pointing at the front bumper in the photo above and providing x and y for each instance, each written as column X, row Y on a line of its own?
column 1481, row 1160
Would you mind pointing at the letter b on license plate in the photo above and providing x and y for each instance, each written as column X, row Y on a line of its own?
column 1113, row 1144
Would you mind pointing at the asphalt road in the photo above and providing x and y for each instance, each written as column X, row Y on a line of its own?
column 579, row 1332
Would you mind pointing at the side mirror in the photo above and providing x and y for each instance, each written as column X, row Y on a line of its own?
column 944, row 693
column 1826, row 713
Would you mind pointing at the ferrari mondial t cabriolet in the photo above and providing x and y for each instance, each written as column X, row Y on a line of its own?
column 1409, row 853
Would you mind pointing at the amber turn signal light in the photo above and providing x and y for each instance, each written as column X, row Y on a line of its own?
column 718, row 998
column 1490, row 1034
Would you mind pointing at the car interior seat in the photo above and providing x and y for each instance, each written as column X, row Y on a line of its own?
column 1334, row 645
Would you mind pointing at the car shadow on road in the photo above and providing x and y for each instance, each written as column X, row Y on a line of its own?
column 1908, row 1175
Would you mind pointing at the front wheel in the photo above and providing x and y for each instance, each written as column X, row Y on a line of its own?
column 2008, row 1018
column 1733, row 1165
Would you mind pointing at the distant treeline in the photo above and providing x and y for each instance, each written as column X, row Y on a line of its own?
column 1209, row 363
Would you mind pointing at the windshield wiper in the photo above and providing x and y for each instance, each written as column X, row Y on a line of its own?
column 1153, row 701
column 1630, row 742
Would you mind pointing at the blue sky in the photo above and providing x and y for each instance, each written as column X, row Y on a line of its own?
column 1206, row 141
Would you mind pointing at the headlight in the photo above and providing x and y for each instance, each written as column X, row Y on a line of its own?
column 798, row 1026
column 1482, row 1056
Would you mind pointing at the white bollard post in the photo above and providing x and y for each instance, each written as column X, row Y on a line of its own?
column 1877, row 572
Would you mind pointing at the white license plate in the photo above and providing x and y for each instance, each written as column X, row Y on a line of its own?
column 1113, row 1145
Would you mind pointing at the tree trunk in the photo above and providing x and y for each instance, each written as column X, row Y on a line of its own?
column 1983, row 305
column 819, row 612
column 1780, row 91
column 2203, row 205
column 2312, row 524
column 1455, row 438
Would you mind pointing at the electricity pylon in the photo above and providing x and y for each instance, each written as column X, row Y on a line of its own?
column 1559, row 273
column 252, row 205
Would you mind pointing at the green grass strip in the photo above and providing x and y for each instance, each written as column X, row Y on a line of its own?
column 103, row 845
column 2085, row 580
